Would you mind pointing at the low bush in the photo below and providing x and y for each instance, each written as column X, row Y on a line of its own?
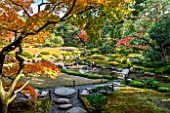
column 55, row 55
column 97, row 101
column 107, row 77
column 90, row 76
column 163, row 70
column 136, row 83
column 150, row 83
column 45, row 53
column 163, row 89
column 73, row 73
column 26, row 54
column 93, row 76
column 39, row 56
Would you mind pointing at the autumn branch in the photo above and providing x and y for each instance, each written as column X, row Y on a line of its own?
column 25, row 11
column 74, row 2
column 16, row 91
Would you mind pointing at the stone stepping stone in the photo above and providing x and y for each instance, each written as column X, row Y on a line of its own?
column 85, row 93
column 76, row 110
column 43, row 93
column 65, row 106
column 62, row 101
column 65, row 92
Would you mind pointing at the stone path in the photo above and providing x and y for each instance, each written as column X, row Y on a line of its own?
column 65, row 99
column 71, row 102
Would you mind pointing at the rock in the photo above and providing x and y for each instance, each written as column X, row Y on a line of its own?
column 76, row 110
column 104, row 92
column 62, row 101
column 65, row 92
column 132, row 69
column 65, row 106
column 125, row 71
column 43, row 93
column 84, row 68
column 119, row 69
column 97, row 65
column 59, row 66
column 148, row 73
column 85, row 93
column 37, row 90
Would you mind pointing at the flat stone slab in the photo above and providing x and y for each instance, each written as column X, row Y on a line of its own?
column 65, row 106
column 76, row 110
column 65, row 92
column 62, row 101
column 85, row 93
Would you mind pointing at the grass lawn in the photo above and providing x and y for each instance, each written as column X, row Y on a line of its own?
column 135, row 100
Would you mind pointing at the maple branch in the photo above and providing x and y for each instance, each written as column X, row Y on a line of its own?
column 15, row 82
column 16, row 91
column 22, row 7
column 74, row 2
column 42, row 3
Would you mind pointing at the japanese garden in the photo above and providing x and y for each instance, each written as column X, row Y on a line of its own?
column 84, row 56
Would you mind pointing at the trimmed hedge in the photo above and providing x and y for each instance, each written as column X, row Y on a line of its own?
column 90, row 76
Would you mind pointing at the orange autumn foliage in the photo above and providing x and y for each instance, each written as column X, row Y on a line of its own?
column 27, row 90
column 38, row 38
column 37, row 68
column 83, row 34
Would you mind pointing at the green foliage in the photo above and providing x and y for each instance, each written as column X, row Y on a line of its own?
column 124, row 60
column 136, row 83
column 106, row 48
column 97, row 101
column 55, row 41
column 74, row 73
column 163, row 89
column 162, row 70
column 150, row 83
column 56, row 56
column 58, row 40
column 93, row 76
column 39, row 56
column 90, row 76
column 107, row 77
column 26, row 54
column 45, row 53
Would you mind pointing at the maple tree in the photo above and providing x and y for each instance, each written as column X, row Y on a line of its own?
column 30, row 23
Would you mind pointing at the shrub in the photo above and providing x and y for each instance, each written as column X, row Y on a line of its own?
column 58, row 40
column 93, row 76
column 136, row 83
column 163, row 89
column 26, row 54
column 97, row 101
column 124, row 60
column 56, row 56
column 151, row 83
column 39, row 56
column 45, row 53
column 73, row 73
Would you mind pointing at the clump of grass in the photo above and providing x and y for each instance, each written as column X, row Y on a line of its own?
column 26, row 54
column 45, row 53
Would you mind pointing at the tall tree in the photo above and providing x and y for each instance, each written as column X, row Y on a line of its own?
column 11, row 20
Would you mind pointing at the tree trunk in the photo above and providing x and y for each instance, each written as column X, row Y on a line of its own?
column 4, row 107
